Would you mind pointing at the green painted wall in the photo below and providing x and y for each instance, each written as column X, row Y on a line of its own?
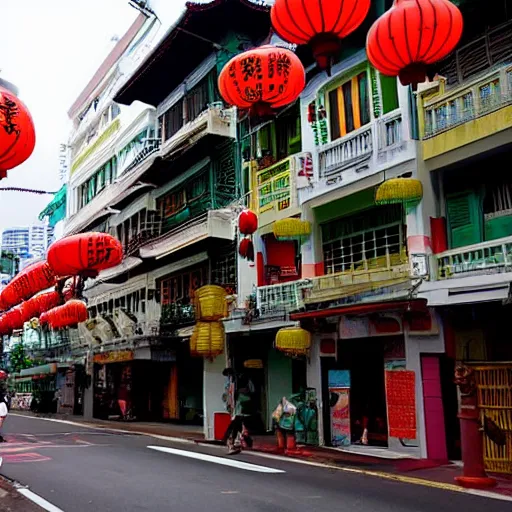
column 345, row 206
column 279, row 379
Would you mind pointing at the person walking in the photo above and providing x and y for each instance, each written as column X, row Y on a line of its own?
column 4, row 411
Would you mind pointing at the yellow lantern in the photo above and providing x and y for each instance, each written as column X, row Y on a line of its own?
column 210, row 303
column 291, row 229
column 207, row 340
column 406, row 191
column 293, row 341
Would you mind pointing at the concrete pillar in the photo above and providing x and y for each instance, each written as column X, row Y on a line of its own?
column 314, row 380
column 311, row 250
column 213, row 389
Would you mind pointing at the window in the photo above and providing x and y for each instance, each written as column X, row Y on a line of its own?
column 389, row 93
column 180, row 288
column 364, row 242
column 197, row 99
column 490, row 95
column 173, row 120
column 349, row 106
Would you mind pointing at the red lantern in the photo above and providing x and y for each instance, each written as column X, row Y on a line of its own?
column 29, row 309
column 3, row 375
column 85, row 254
column 246, row 249
column 71, row 313
column 411, row 35
column 47, row 301
column 321, row 23
column 247, row 222
column 31, row 280
column 43, row 319
column 262, row 79
column 13, row 319
column 17, row 134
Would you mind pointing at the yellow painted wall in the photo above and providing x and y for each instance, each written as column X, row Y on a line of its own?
column 468, row 132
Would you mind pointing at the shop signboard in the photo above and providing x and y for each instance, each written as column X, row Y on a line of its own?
column 401, row 403
column 339, row 400
column 119, row 356
column 163, row 355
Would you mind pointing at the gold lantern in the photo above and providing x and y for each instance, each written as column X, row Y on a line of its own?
column 207, row 340
column 210, row 303
column 291, row 229
column 406, row 191
column 293, row 341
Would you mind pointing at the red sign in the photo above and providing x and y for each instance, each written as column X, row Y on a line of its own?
column 401, row 403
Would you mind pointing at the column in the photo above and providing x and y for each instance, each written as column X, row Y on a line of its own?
column 213, row 389
column 314, row 380
column 311, row 250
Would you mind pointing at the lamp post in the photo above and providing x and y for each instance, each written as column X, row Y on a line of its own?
column 474, row 475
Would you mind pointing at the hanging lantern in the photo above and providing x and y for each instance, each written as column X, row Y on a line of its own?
column 291, row 229
column 31, row 280
column 43, row 318
column 207, row 340
column 406, row 191
column 322, row 24
column 412, row 35
column 29, row 309
column 47, row 301
column 17, row 134
column 84, row 254
column 246, row 249
column 3, row 375
column 293, row 341
column 14, row 319
column 262, row 80
column 210, row 303
column 71, row 313
column 247, row 222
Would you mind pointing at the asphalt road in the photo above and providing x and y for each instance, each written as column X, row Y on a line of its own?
column 80, row 469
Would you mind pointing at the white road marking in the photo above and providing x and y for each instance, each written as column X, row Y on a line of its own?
column 46, row 505
column 233, row 463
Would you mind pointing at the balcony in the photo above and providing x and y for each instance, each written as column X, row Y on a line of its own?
column 176, row 315
column 380, row 277
column 281, row 299
column 479, row 108
column 485, row 258
column 277, row 186
column 215, row 224
column 213, row 121
column 391, row 140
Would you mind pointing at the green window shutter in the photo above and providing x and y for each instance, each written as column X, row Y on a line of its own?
column 464, row 211
column 389, row 91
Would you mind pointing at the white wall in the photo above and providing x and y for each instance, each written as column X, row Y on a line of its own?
column 213, row 385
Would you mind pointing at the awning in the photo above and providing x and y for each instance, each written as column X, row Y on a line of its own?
column 362, row 309
column 127, row 264
column 45, row 369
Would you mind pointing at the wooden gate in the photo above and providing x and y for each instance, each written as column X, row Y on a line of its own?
column 494, row 385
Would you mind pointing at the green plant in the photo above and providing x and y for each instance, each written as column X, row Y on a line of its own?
column 18, row 359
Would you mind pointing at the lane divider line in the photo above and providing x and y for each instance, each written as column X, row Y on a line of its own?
column 38, row 500
column 233, row 463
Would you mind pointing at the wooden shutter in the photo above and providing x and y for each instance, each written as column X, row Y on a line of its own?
column 464, row 211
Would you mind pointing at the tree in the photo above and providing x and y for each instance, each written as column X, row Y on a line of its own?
column 18, row 359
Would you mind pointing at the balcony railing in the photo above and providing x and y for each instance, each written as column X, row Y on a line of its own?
column 279, row 299
column 345, row 152
column 176, row 315
column 485, row 258
column 481, row 97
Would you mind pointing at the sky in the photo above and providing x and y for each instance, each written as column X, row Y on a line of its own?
column 50, row 50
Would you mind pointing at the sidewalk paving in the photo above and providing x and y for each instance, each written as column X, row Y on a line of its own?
column 12, row 501
column 432, row 470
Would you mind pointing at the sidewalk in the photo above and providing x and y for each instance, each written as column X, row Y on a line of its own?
column 12, row 501
column 442, row 472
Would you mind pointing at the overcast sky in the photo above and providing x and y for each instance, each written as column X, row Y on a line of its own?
column 50, row 50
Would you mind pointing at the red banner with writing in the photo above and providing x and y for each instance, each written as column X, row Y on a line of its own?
column 401, row 403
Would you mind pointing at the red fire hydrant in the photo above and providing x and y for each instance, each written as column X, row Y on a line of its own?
column 474, row 475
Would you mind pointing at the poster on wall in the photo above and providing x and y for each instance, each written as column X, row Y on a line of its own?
column 339, row 401
column 401, row 403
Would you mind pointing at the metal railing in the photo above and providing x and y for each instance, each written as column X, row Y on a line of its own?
column 281, row 298
column 486, row 257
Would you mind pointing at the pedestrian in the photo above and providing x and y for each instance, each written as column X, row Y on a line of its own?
column 4, row 411
column 237, row 436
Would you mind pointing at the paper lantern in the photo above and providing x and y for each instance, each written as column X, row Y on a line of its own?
column 207, row 340
column 31, row 280
column 247, row 222
column 321, row 23
column 71, row 313
column 262, row 80
column 210, row 303
column 14, row 319
column 43, row 318
column 406, row 191
column 3, row 375
column 47, row 301
column 291, row 229
column 85, row 254
column 17, row 134
column 412, row 35
column 293, row 341
column 246, row 249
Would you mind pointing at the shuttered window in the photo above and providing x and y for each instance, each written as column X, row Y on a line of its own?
column 349, row 106
column 465, row 219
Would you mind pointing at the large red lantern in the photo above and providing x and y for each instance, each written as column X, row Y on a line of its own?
column 71, row 313
column 411, row 35
column 321, row 23
column 246, row 249
column 13, row 319
column 262, row 79
column 247, row 222
column 17, row 134
column 47, row 301
column 31, row 280
column 84, row 254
